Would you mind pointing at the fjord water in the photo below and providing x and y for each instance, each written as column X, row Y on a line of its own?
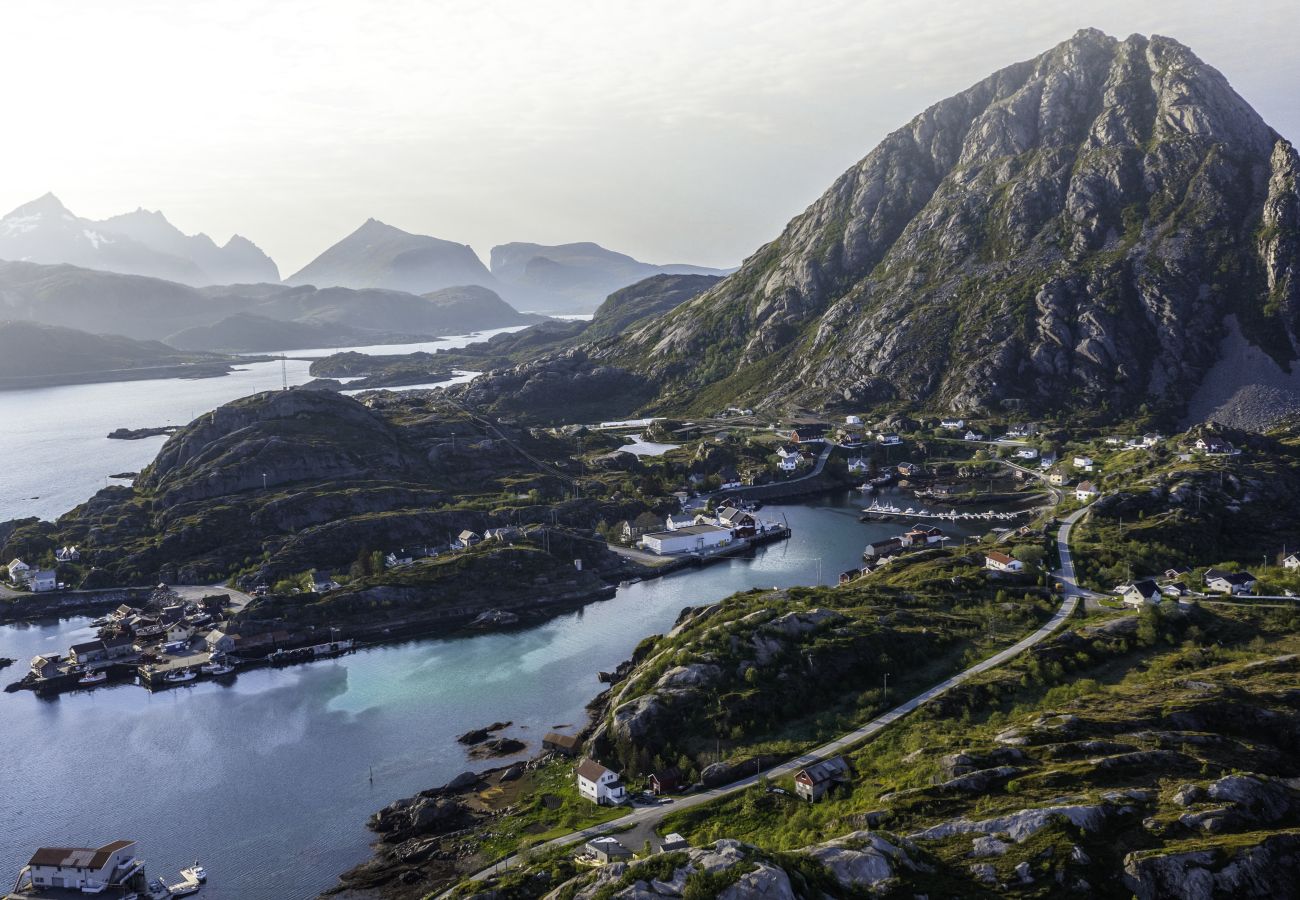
column 266, row 780
column 53, row 445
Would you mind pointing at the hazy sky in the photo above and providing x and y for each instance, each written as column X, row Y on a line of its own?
column 675, row 131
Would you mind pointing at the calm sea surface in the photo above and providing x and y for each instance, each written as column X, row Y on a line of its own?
column 54, row 452
column 266, row 780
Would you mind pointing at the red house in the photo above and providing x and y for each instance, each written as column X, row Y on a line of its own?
column 667, row 781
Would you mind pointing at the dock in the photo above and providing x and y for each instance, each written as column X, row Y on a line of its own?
column 950, row 516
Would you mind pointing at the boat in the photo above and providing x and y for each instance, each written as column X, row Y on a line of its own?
column 93, row 678
column 195, row 873
column 180, row 676
column 216, row 669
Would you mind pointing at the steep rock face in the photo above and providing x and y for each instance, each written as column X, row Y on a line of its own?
column 1072, row 229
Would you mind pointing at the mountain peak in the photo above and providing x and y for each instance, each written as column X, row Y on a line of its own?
column 45, row 205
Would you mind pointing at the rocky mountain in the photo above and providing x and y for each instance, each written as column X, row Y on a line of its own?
column 377, row 255
column 1075, row 232
column 136, row 243
column 573, row 277
column 234, row 317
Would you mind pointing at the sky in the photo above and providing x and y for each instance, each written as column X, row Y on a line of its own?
column 674, row 131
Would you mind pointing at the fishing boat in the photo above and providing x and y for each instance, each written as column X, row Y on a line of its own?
column 93, row 678
column 216, row 669
column 180, row 676
column 195, row 873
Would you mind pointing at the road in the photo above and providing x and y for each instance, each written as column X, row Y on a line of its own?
column 642, row 819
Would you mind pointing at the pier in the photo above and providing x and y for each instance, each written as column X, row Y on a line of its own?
column 875, row 509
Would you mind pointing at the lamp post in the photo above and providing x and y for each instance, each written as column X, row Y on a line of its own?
column 263, row 481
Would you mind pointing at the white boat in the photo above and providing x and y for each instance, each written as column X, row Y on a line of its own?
column 93, row 678
column 180, row 676
column 216, row 669
column 195, row 873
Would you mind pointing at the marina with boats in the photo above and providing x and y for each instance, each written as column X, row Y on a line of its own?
column 112, row 870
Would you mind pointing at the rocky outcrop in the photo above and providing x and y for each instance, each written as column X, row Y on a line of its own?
column 1267, row 870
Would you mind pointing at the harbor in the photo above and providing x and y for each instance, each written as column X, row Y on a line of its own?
column 112, row 870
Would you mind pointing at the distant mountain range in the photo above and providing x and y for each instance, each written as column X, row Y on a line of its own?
column 573, row 277
column 135, row 243
column 568, row 278
column 236, row 317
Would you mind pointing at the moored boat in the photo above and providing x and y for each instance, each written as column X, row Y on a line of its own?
column 180, row 676
column 93, row 678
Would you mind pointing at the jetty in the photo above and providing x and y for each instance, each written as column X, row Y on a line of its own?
column 952, row 515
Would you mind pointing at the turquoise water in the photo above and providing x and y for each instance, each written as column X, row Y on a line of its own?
column 266, row 779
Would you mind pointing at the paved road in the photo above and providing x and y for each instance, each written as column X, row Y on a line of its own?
column 643, row 819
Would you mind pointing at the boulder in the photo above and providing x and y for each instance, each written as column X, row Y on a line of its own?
column 963, row 762
column 766, row 882
column 981, row 781
column 861, row 859
column 1267, row 870
column 1023, row 824
column 1259, row 798
column 988, row 845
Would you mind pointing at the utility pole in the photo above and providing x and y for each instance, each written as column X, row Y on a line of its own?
column 886, row 687
column 284, row 374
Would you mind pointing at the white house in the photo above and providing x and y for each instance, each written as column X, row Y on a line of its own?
column 599, row 784
column 82, row 868
column 219, row 641
column 1116, row 441
column 1083, row 462
column 1141, row 593
column 691, row 538
column 789, row 458
column 858, row 464
column 853, row 420
column 1229, row 582
column 1000, row 562
column 466, row 539
column 1292, row 561
column 18, row 571
column 973, row 436
column 889, row 439
column 953, row 424
column 67, row 554
column 1027, row 453
column 1058, row 478
column 1214, row 446
column 1085, row 491
column 1150, row 439
column 42, row 580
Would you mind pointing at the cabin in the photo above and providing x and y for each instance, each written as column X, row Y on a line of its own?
column 1085, row 491
column 997, row 561
column 666, row 781
column 599, row 784
column 41, row 580
column 881, row 549
column 691, row 538
column 607, row 850
column 466, row 539
column 812, row 783
column 87, row 869
column 568, row 744
column 1141, row 593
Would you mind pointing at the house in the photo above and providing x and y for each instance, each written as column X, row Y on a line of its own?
column 607, row 850
column 321, row 583
column 858, row 464
column 973, row 436
column 1178, row 572
column 908, row 470
column 123, row 612
column 87, row 652
column 853, row 420
column 1085, row 491
column 1229, row 582
column 67, row 554
column 1141, row 593
column 1047, row 460
column 672, row 523
column 687, row 539
column 1150, row 439
column 398, row 558
column 1214, row 446
column 599, row 784
column 666, row 781
column 1116, row 441
column 878, row 549
column 1174, row 589
column 85, row 869
column 789, row 458
column 1083, row 462
column 179, row 631
column 1292, row 561
column 804, row 434
column 741, row 523
column 923, row 535
column 999, row 562
column 730, row 478
column 42, row 580
column 567, row 744
column 46, row 666
column 1058, row 478
column 1026, row 453
column 634, row 528
column 888, row 439
column 466, row 539
column 953, row 424
column 812, row 783
column 850, row 575
column 18, row 571
column 852, row 438
column 220, row 641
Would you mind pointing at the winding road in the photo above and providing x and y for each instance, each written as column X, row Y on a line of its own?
column 642, row 820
